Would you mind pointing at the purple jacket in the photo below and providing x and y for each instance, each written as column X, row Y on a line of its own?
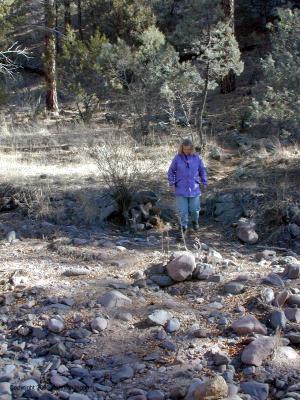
column 185, row 173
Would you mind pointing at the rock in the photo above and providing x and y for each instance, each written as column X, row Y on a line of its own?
column 58, row 349
column 214, row 389
column 11, row 236
column 248, row 324
column 226, row 209
column 257, row 390
column 79, row 333
column 233, row 288
column 216, row 154
column 203, row 271
column 267, row 255
column 58, row 380
column 77, row 396
column 268, row 295
column 155, row 395
column 201, row 333
column 162, row 280
column 125, row 372
column 99, row 324
column 294, row 338
column 55, row 325
column 278, row 319
column 114, row 298
column 286, row 353
column 160, row 317
column 281, row 298
column 258, row 350
column 177, row 392
column 75, row 272
column 294, row 230
column 292, row 271
column 168, row 345
column 5, row 389
column 294, row 300
column 124, row 316
column 273, row 280
column 181, row 267
column 173, row 325
column 246, row 231
column 220, row 359
column 293, row 314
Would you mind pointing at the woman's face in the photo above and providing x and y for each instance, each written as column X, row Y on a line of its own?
column 187, row 150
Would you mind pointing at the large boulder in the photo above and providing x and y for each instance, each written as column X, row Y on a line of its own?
column 248, row 324
column 182, row 266
column 258, row 351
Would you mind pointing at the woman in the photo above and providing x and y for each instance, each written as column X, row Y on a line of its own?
column 184, row 176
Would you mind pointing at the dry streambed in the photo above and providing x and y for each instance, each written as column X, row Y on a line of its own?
column 112, row 317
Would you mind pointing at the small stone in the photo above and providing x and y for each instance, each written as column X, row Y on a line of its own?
column 294, row 299
column 281, row 298
column 55, row 325
column 58, row 380
column 124, row 316
column 248, row 324
column 268, row 255
column 79, row 333
column 173, row 325
column 11, row 236
column 294, row 338
column 273, row 280
column 201, row 333
column 155, row 395
column 258, row 350
column 203, row 271
column 162, row 280
column 114, row 298
column 293, row 314
column 257, row 390
column 221, row 359
column 177, row 392
column 292, row 271
column 268, row 295
column 160, row 317
column 168, row 345
column 278, row 319
column 5, row 389
column 234, row 288
column 75, row 272
column 125, row 372
column 214, row 389
column 99, row 324
column 77, row 396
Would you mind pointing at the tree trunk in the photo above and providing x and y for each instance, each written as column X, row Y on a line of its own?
column 67, row 16
column 50, row 56
column 228, row 84
column 79, row 12
column 200, row 113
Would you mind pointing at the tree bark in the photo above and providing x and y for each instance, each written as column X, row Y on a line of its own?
column 67, row 16
column 79, row 13
column 229, row 82
column 50, row 56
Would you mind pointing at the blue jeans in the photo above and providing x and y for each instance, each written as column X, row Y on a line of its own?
column 188, row 206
